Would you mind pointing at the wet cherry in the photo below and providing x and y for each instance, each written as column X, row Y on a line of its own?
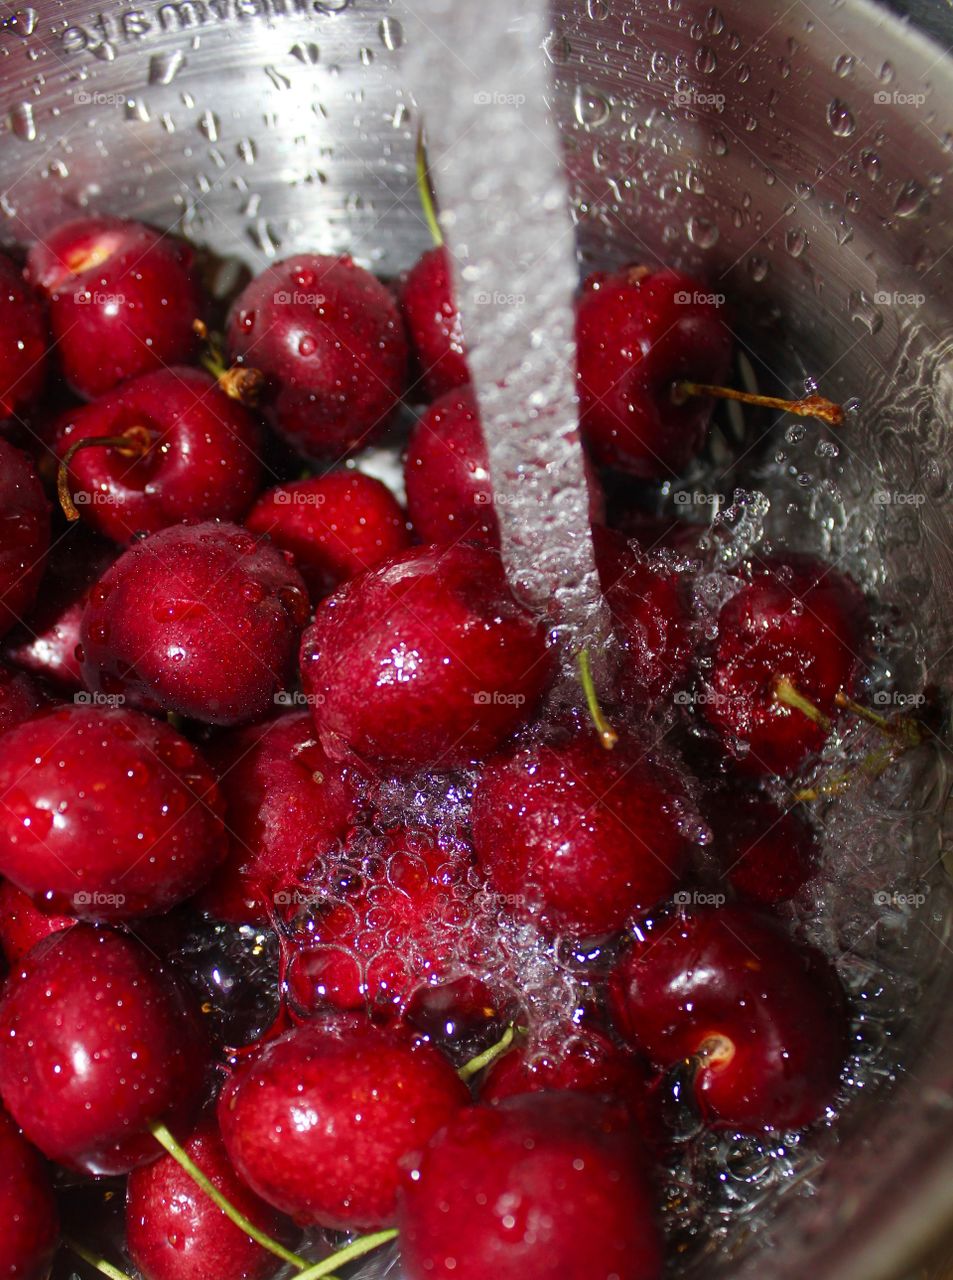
column 447, row 473
column 765, row 853
column 24, row 343
column 31, row 1228
column 433, row 322
column 23, row 924
column 24, row 534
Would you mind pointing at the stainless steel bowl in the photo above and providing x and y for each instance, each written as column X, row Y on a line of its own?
column 799, row 155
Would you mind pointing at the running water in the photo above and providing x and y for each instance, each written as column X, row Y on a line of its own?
column 478, row 73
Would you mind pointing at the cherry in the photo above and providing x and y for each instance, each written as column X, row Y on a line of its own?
column 545, row 1185
column 24, row 534
column 20, row 697
column 762, row 1018
column 433, row 322
column 335, row 525
column 174, row 1231
column 639, row 333
column 393, row 933
column 198, row 619
column 31, row 1228
column 426, row 660
column 106, row 813
column 165, row 447
column 23, row 925
column 96, row 1044
column 24, row 343
column 286, row 806
column 447, row 473
column 122, row 299
column 328, row 338
column 765, row 853
column 318, row 1122
column 579, row 837
column 795, row 631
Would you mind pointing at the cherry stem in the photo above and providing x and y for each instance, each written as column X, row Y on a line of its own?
column 425, row 191
column 94, row 1260
column 488, row 1056
column 165, row 1139
column 607, row 734
column 134, row 442
column 806, row 407
column 790, row 696
column 239, row 382
column 356, row 1249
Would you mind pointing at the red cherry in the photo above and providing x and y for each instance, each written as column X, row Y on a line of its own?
column 200, row 619
column 393, row 933
column 328, row 338
column 797, row 621
column 24, row 534
column 335, row 525
column 763, row 1018
column 318, row 1122
column 31, row 1228
column 96, row 1044
column 447, row 473
column 20, row 698
column 638, row 333
column 427, row 660
column 23, row 925
column 287, row 804
column 193, row 453
column 580, row 837
column 106, row 814
column 122, row 297
column 24, row 343
column 174, row 1231
column 433, row 322
column 765, row 853
column 550, row 1186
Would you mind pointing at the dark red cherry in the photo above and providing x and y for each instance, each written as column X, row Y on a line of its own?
column 579, row 837
column 24, row 343
column 96, row 1044
column 199, row 619
column 393, row 932
column 174, row 1231
column 329, row 339
column 24, row 535
column 23, row 924
column 122, row 297
column 106, row 813
column 287, row 805
column 20, row 697
column 433, row 322
column 799, row 622
column 319, row 1121
column 192, row 454
column 765, row 853
column 447, row 473
column 762, row 1017
column 426, row 660
column 31, row 1228
column 638, row 333
column 551, row 1186
column 335, row 525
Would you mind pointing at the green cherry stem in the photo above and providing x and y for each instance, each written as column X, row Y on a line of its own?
column 356, row 1249
column 475, row 1065
column 607, row 734
column 790, row 696
column 165, row 1139
column 425, row 192
column 94, row 1260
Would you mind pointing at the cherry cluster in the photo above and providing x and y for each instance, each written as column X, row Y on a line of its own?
column 224, row 646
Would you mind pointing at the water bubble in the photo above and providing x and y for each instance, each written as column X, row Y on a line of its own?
column 598, row 10
column 840, row 118
column 590, row 108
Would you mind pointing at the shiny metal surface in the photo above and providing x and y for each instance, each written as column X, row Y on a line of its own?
column 799, row 154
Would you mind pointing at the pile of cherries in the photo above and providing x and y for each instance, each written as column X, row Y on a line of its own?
column 211, row 677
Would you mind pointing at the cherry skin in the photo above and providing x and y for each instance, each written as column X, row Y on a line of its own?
column 174, row 1231
column 200, row 460
column 23, row 925
column 122, row 298
column 394, row 932
column 796, row 620
column 370, row 1097
column 199, row 619
column 549, row 1185
column 763, row 1017
column 31, row 1228
column 447, row 474
column 329, row 339
column 24, row 535
column 107, row 813
column 24, row 343
column 766, row 854
column 433, row 322
column 578, row 837
column 335, row 525
column 96, row 1044
column 426, row 660
column 20, row 697
column 287, row 805
column 638, row 333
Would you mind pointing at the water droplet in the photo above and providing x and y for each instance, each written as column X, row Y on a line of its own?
column 840, row 119
column 758, row 268
column 911, row 199
column 702, row 232
column 705, row 60
column 391, row 33
column 718, row 144
column 209, row 124
column 714, row 22
column 277, row 78
column 305, row 51
column 590, row 107
column 887, row 73
column 164, row 67
column 22, row 122
column 863, row 311
column 844, row 65
column 795, row 241
column 870, row 163
column 598, row 10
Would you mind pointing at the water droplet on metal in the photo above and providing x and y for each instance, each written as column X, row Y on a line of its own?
column 718, row 144
column 22, row 122
column 164, row 67
column 795, row 241
column 702, row 232
column 705, row 60
column 391, row 33
column 277, row 78
column 758, row 268
column 911, row 199
column 590, row 107
column 305, row 51
column 209, row 124
column 840, row 118
column 864, row 312
column 844, row 65
column 870, row 163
